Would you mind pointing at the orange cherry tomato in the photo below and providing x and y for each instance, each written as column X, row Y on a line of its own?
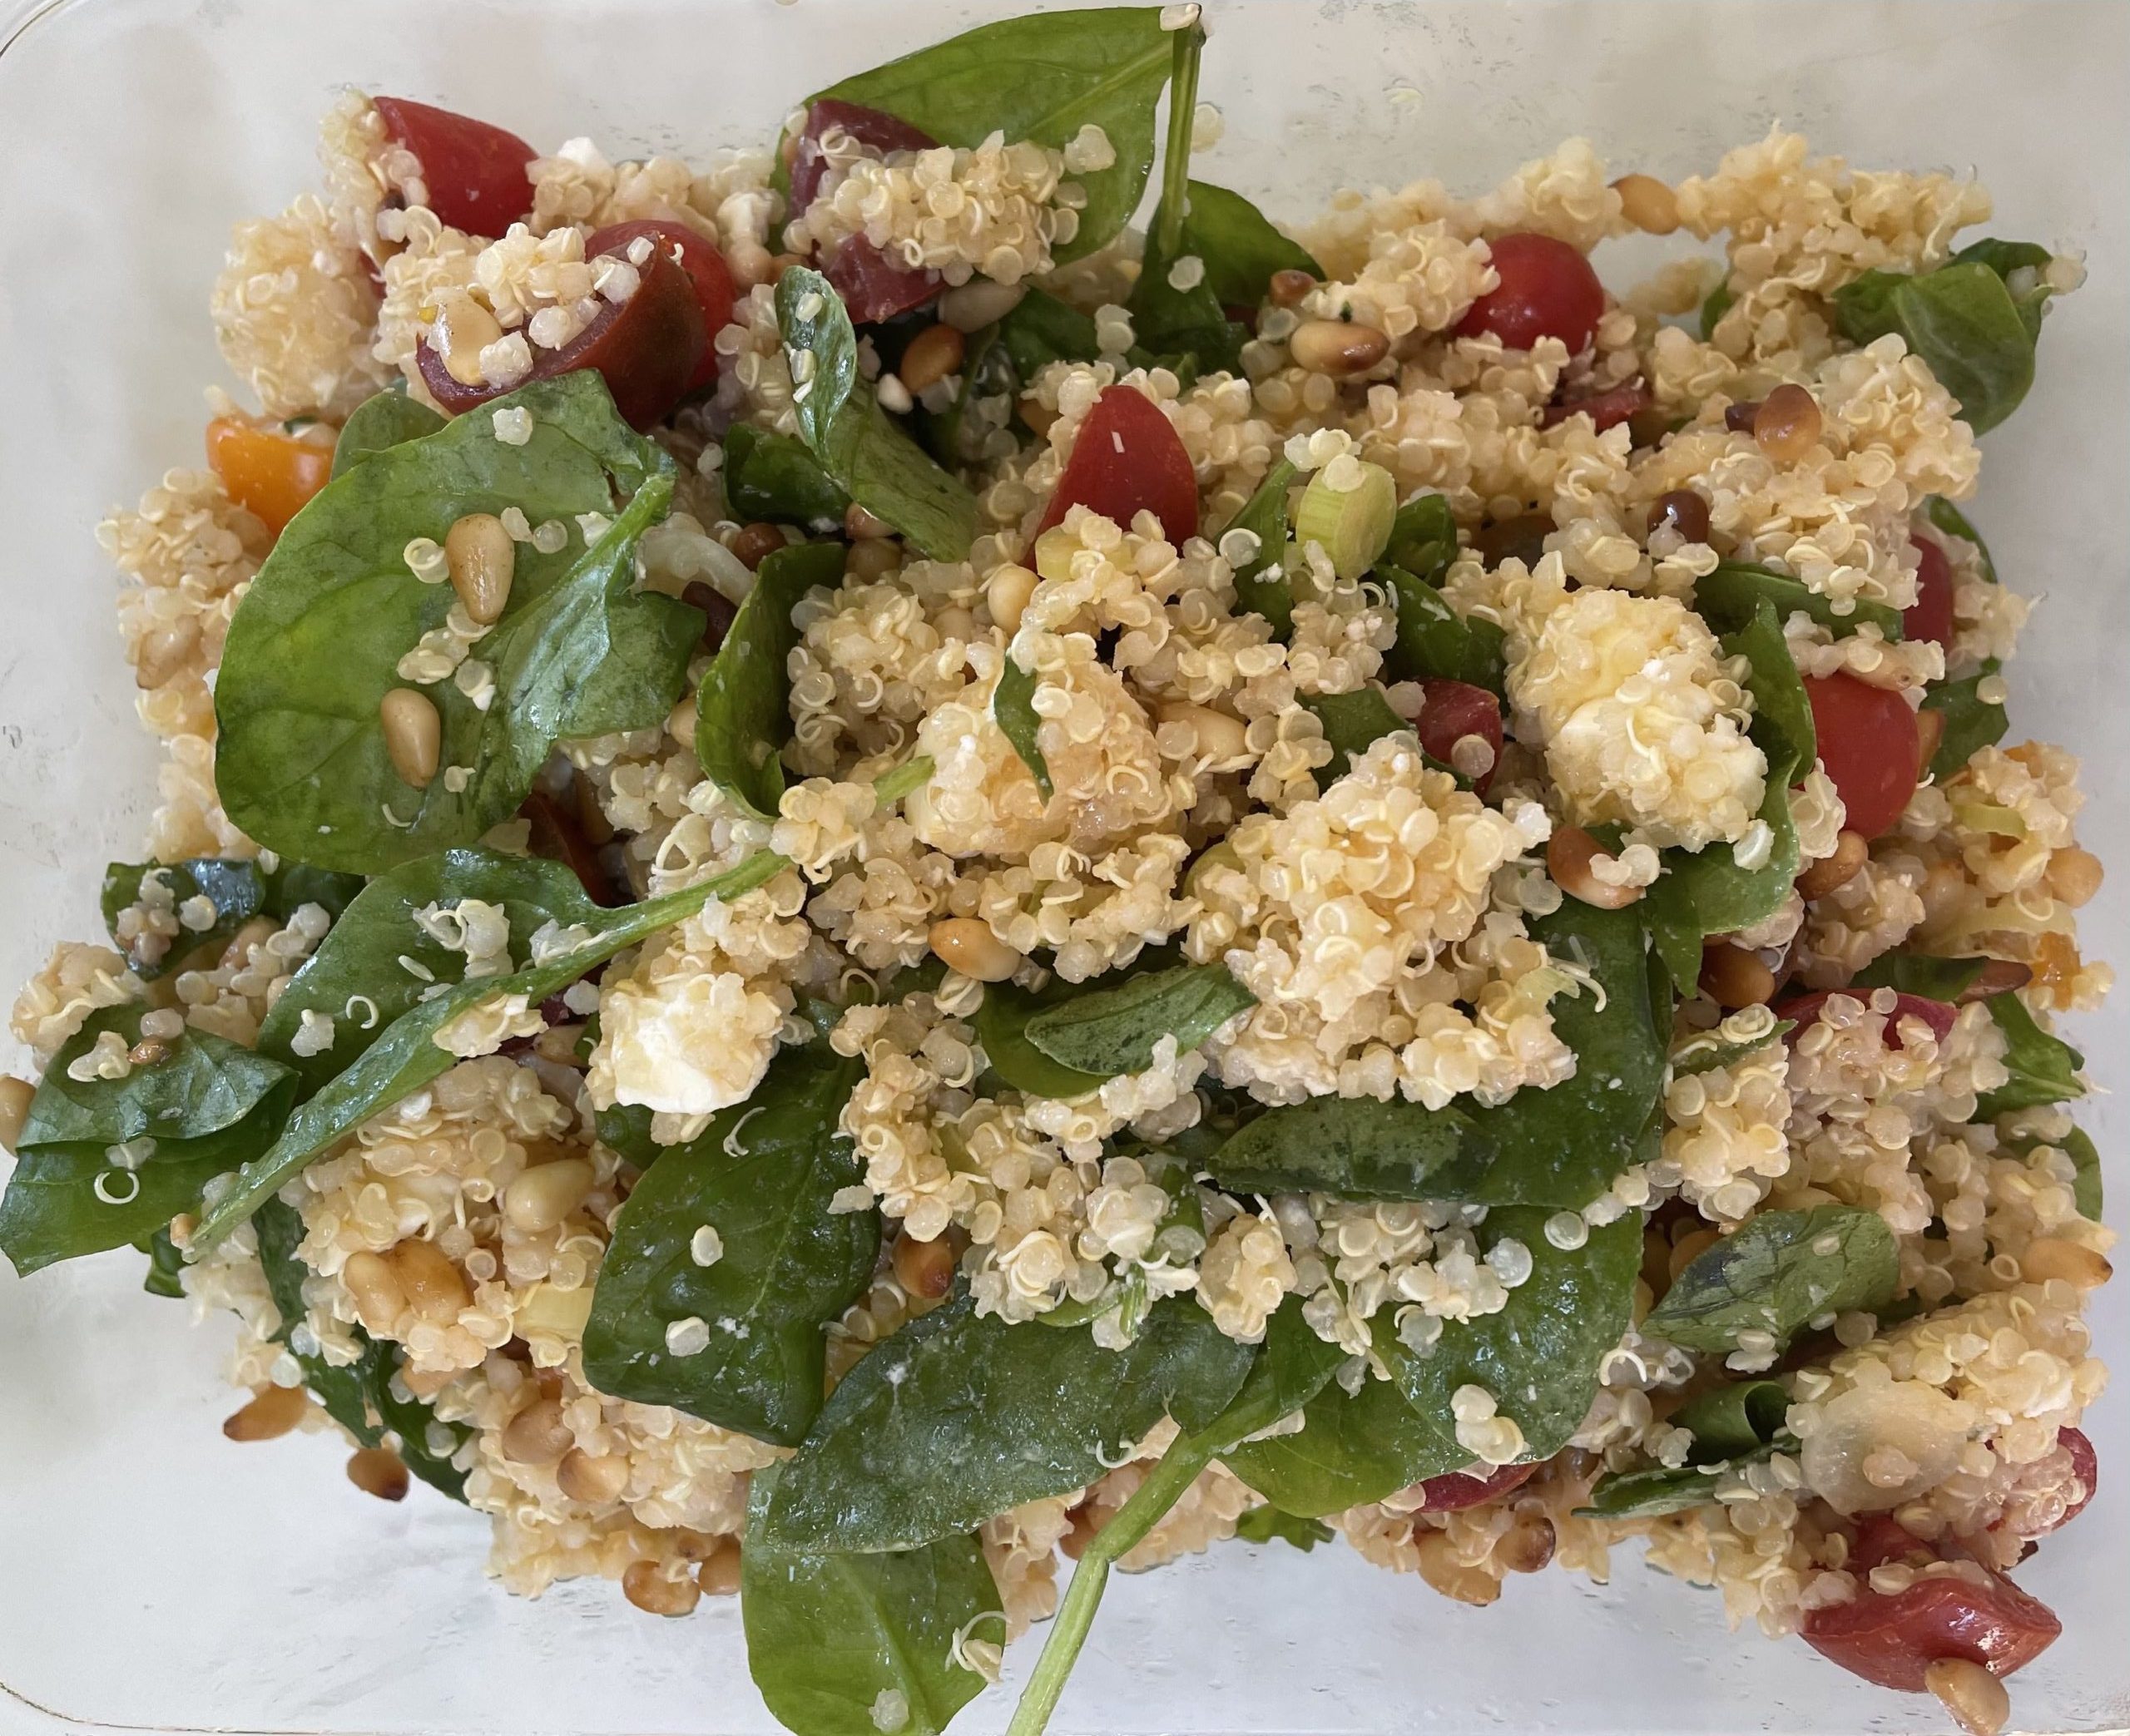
column 1126, row 459
column 270, row 473
column 1869, row 743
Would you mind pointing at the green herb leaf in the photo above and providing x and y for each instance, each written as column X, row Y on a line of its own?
column 958, row 1417
column 1917, row 973
column 1423, row 539
column 1260, row 586
column 1012, row 707
column 1972, row 722
column 1728, row 597
column 237, row 890
column 1736, row 1417
column 1705, row 1053
column 1434, row 639
column 1650, row 1494
column 1294, row 1366
column 1238, row 249
column 1039, row 329
column 1953, row 522
column 301, row 761
column 205, row 1107
column 1778, row 1271
column 2086, row 1191
column 165, row 1276
column 1267, row 1524
column 1352, row 722
column 1002, row 1027
column 772, row 477
column 1106, row 1032
column 382, row 420
column 858, row 445
column 1714, row 307
column 762, row 1176
column 1351, row 1448
column 2044, row 1069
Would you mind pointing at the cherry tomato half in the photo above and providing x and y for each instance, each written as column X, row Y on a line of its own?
column 1869, row 743
column 1547, row 290
column 1457, row 1490
column 475, row 173
column 2084, row 1466
column 699, row 258
column 872, row 127
column 875, row 287
column 1938, row 1015
column 1452, row 710
column 270, row 473
column 1128, row 459
column 1892, row 1637
column 1606, row 409
column 1930, row 616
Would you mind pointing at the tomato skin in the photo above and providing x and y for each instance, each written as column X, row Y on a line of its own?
column 875, row 287
column 1450, row 710
column 1454, row 1490
column 1869, row 745
column 869, row 127
column 699, row 258
column 1938, row 1015
column 1547, row 290
column 1606, row 409
column 475, row 173
column 1892, row 1637
column 1930, row 616
column 2085, row 1462
column 1128, row 459
column 270, row 473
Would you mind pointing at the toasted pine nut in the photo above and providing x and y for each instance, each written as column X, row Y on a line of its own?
column 979, row 303
column 273, row 1413
column 1337, row 347
column 425, row 1383
column 2050, row 1257
column 538, row 1435
column 1220, row 738
column 1787, row 424
column 1454, row 1578
column 147, row 1052
column 377, row 1471
column 1006, row 594
column 481, row 558
column 1685, row 511
column 645, row 1584
column 719, row 1574
column 248, row 939
column 1647, row 203
column 873, row 558
column 955, row 622
column 1831, row 872
column 594, row 1481
column 2074, row 875
column 558, row 1043
column 435, row 1288
column 1037, row 415
column 1528, row 1545
column 1569, row 852
column 925, row 1268
column 1733, row 977
column 1929, row 731
column 413, row 735
column 931, row 356
column 754, row 543
column 858, row 524
column 966, row 943
column 463, row 328
column 1688, row 1249
column 374, row 1288
column 1997, row 977
column 1289, row 287
column 1977, row 1699
column 546, row 1194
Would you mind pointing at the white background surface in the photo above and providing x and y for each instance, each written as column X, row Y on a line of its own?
column 151, row 1574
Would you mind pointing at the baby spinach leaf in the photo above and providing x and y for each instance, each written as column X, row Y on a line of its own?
column 2044, row 1069
column 1259, row 585
column 1423, row 539
column 772, row 477
column 1714, row 307
column 1736, row 1417
column 1778, row 1271
column 300, row 760
column 165, row 1276
column 625, row 1130
column 1358, row 1149
column 1294, row 1366
column 2086, row 1191
column 205, row 1107
column 1041, row 77
column 1728, row 598
column 1917, row 973
column 1953, row 522
column 382, row 420
column 1109, row 1031
column 1351, row 1448
column 1434, row 640
column 1238, row 250
column 1351, row 721
column 1002, row 1027
column 237, row 890
column 403, row 1056
column 1650, row 1494
column 357, row 1395
column 1189, row 318
column 1241, row 248
column 1706, row 1052
column 866, row 454
column 959, row 1416
column 1267, row 1524
column 1012, row 707
column 762, row 1175
column 1039, row 329
column 1972, row 722
column 743, row 710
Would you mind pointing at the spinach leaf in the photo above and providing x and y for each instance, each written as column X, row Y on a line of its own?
column 237, row 890
column 2044, row 1069
column 1267, row 1524
column 1351, row 722
column 1002, row 1028
column 1351, row 1448
column 165, row 1276
column 404, row 1055
column 1777, row 1272
column 1238, row 249
column 1972, row 722
column 301, row 761
column 1559, row 1147
column 959, row 1416
column 1650, row 1494
column 1917, row 973
column 1736, row 1417
column 772, row 477
column 1434, row 640
column 1294, row 1366
column 1423, row 539
column 1241, row 249
column 2086, row 1191
column 199, row 1112
column 1705, row 1053
column 861, row 449
column 762, row 1176
column 1714, row 307
column 743, row 708
column 357, row 1395
column 1729, row 597
column 1041, row 76
column 1012, row 707
column 1260, row 585
column 1105, row 1033
column 1953, row 522
column 384, row 420
column 830, row 1633
column 1039, row 329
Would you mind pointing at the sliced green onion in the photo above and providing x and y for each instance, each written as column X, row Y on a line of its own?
column 1348, row 510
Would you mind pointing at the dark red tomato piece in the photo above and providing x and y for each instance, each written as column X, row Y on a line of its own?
column 1453, row 710
column 869, row 126
column 875, row 287
column 1892, row 1637
column 1128, row 459
column 1938, row 1015
column 647, row 348
column 1869, row 742
column 1881, row 1538
column 2084, row 1467
column 1931, row 614
column 1607, row 409
column 1457, row 1490
column 1547, row 290
column 475, row 173
column 699, row 258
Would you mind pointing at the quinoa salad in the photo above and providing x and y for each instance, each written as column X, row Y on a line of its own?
column 879, row 884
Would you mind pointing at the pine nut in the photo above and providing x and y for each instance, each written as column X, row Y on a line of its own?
column 413, row 735
column 1685, row 511
column 1454, row 1578
column 558, row 1044
column 1528, row 1545
column 1977, row 1699
column 1787, row 424
column 544, row 1196
column 645, row 1584
column 377, row 1471
column 1733, row 977
column 272, row 1413
column 956, row 623
column 1688, row 1249
column 925, row 1268
column 1220, row 737
column 2074, row 875
column 248, row 939
column 16, row 1097
column 858, row 524
column 1337, row 347
column 463, row 328
column 1290, row 288
column 1037, row 416
column 594, row 1481
column 374, row 1287
column 872, row 560
column 1831, row 872
column 435, row 1288
column 2049, row 1258
column 931, row 356
column 979, row 303
column 965, row 944
column 1997, row 977
column 1929, row 731
column 754, row 543
column 719, row 1574
column 536, row 1435
column 1647, row 203
column 1006, row 594
column 481, row 558
column 1569, row 852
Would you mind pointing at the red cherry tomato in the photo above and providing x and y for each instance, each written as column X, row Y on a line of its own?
column 1453, row 710
column 1547, row 290
column 1607, row 409
column 869, row 126
column 699, row 258
column 1457, row 1490
column 875, row 287
column 1869, row 742
column 475, row 173
column 1128, row 459
column 1938, row 1015
column 2085, row 1472
column 1931, row 614
column 647, row 348
column 1892, row 1637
